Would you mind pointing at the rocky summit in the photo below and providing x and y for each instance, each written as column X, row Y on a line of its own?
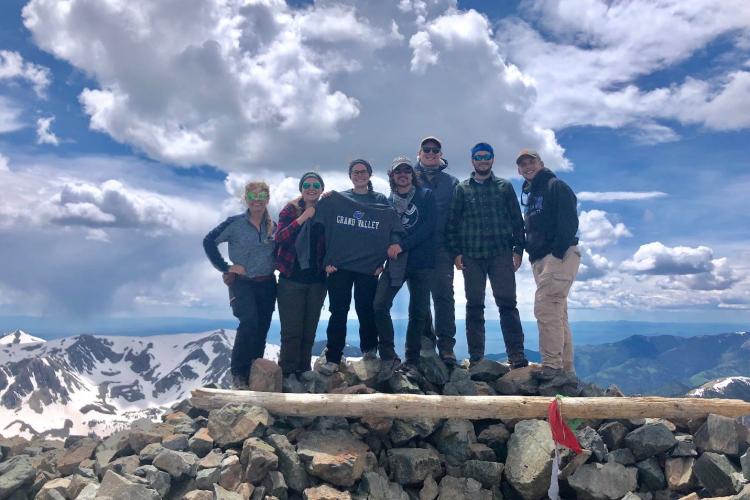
column 243, row 452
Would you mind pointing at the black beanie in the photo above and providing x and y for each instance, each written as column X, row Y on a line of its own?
column 311, row 174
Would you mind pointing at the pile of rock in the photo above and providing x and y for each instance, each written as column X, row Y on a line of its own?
column 242, row 452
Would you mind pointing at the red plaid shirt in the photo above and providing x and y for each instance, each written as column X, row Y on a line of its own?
column 286, row 234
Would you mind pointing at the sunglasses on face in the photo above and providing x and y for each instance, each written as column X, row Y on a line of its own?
column 262, row 196
column 308, row 185
column 360, row 172
column 486, row 157
column 406, row 170
column 430, row 149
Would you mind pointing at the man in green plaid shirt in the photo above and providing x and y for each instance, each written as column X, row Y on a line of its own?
column 485, row 232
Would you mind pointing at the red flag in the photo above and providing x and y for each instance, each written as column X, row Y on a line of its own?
column 561, row 433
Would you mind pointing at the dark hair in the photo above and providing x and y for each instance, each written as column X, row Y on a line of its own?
column 360, row 161
column 415, row 181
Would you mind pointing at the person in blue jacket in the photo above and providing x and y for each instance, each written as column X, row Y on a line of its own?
column 416, row 208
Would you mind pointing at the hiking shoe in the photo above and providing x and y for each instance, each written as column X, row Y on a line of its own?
column 448, row 358
column 409, row 369
column 370, row 353
column 475, row 360
column 518, row 362
column 388, row 368
column 239, row 383
column 328, row 368
column 547, row 373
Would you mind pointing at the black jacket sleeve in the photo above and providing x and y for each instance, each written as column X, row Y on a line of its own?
column 518, row 231
column 427, row 223
column 211, row 246
column 566, row 217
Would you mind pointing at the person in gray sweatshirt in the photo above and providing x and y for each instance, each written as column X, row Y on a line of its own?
column 430, row 170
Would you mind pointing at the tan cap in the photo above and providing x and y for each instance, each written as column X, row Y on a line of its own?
column 527, row 152
column 431, row 138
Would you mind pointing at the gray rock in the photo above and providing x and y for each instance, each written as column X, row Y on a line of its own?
column 717, row 474
column 650, row 475
column 77, row 484
column 719, row 435
column 149, row 452
column 430, row 489
column 608, row 481
column 488, row 370
column 265, row 376
column 488, row 473
column 460, row 384
column 211, row 460
column 224, row 494
column 432, row 367
column 201, row 443
column 144, row 431
column 424, row 426
column 198, row 495
column 230, row 476
column 462, row 488
column 15, row 473
column 157, row 480
column 322, row 492
column 259, row 493
column 54, row 489
column 613, row 434
column 650, row 440
column 88, row 492
column 110, row 448
column 259, row 458
column 289, row 463
column 206, row 478
column 685, row 447
column 334, row 456
column 518, row 381
column 453, row 440
column 622, row 456
column 679, row 474
column 68, row 462
column 528, row 467
column 122, row 465
column 176, row 463
column 745, row 463
column 234, row 423
column 401, row 433
column 367, row 370
column 410, row 466
column 116, row 486
column 275, row 485
column 399, row 383
column 590, row 440
column 176, row 442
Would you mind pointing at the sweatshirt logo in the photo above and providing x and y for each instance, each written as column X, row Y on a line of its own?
column 358, row 221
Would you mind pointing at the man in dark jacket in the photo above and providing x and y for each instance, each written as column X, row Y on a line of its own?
column 485, row 232
column 430, row 170
column 415, row 206
column 551, row 224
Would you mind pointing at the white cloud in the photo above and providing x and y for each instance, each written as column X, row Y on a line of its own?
column 97, row 235
column 656, row 258
column 13, row 67
column 4, row 164
column 43, row 133
column 596, row 230
column 592, row 265
column 264, row 86
column 10, row 116
column 609, row 196
column 587, row 56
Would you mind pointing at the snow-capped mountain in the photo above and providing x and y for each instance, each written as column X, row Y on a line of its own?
column 19, row 337
column 726, row 387
column 99, row 384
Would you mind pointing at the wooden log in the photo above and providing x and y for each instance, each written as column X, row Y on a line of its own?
column 469, row 407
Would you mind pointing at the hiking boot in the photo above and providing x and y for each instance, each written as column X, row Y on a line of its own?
column 448, row 358
column 239, row 383
column 370, row 353
column 518, row 362
column 328, row 368
column 475, row 360
column 388, row 368
column 410, row 369
column 547, row 373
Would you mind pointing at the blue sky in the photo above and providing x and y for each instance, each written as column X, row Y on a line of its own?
column 126, row 132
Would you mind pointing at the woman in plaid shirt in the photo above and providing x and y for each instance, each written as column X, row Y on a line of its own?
column 301, row 292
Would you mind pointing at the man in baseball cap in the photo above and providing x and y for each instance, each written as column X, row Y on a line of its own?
column 551, row 223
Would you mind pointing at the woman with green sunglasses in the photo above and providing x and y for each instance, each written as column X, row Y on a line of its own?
column 250, row 278
column 301, row 291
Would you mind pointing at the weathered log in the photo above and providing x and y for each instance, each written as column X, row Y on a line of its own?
column 470, row 407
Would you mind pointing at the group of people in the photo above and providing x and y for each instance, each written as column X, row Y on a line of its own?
column 365, row 243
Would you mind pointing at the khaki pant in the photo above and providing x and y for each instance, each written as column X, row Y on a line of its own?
column 554, row 277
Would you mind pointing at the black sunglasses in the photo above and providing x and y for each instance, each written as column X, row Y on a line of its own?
column 433, row 149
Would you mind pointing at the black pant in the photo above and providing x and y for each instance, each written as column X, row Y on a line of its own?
column 299, row 312
column 339, row 298
column 499, row 270
column 253, row 304
column 441, row 289
column 418, row 281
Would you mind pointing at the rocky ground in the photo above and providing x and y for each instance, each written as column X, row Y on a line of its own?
column 243, row 452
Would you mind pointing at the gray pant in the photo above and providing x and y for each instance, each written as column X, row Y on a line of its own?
column 499, row 270
column 299, row 311
column 441, row 289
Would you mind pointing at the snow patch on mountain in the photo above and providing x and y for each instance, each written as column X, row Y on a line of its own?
column 19, row 337
column 99, row 384
column 726, row 387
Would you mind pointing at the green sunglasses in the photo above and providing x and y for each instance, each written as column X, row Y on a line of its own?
column 257, row 196
column 308, row 185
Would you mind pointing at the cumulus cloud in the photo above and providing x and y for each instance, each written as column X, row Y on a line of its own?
column 586, row 57
column 266, row 86
column 592, row 265
column 43, row 133
column 13, row 67
column 596, row 230
column 10, row 116
column 609, row 196
column 656, row 258
column 4, row 164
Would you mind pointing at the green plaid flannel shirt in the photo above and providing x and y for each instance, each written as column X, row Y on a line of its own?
column 484, row 219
